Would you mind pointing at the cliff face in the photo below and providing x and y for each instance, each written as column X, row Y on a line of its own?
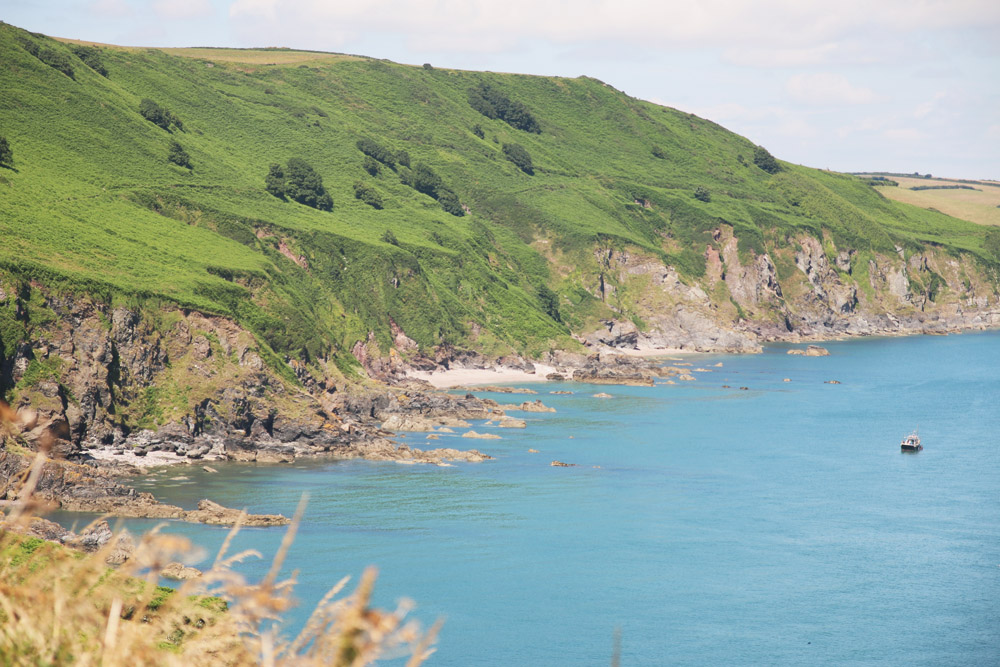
column 744, row 299
column 88, row 376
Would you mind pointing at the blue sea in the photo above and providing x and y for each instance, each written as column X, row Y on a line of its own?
column 775, row 525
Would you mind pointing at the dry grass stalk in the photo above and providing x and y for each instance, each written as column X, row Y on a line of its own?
column 60, row 607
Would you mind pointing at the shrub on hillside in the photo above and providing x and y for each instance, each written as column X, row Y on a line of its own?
column 490, row 102
column 450, row 203
column 55, row 59
column 178, row 155
column 371, row 165
column 158, row 115
column 367, row 194
column 403, row 158
column 390, row 238
column 763, row 159
column 6, row 153
column 658, row 153
column 517, row 154
column 702, row 194
column 299, row 182
column 375, row 150
column 423, row 179
column 550, row 302
column 274, row 182
column 478, row 131
column 91, row 57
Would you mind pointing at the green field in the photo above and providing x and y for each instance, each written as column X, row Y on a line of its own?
column 91, row 201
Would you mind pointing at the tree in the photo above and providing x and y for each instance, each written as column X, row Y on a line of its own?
column 490, row 102
column 55, row 59
column 478, row 131
column 367, row 194
column 371, row 165
column 158, row 115
column 274, row 182
column 550, row 302
column 423, row 179
column 305, row 186
column 91, row 57
column 763, row 159
column 450, row 203
column 702, row 194
column 178, row 155
column 6, row 154
column 517, row 154
column 375, row 150
column 403, row 158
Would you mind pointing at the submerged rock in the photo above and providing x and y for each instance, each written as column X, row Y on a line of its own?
column 481, row 436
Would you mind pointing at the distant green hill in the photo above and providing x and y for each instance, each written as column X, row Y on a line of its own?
column 93, row 203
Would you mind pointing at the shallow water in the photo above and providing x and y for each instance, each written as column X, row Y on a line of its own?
column 778, row 525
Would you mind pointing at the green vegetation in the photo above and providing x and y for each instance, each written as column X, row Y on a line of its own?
column 157, row 115
column 367, row 194
column 51, row 54
column 178, row 155
column 376, row 151
column 490, row 102
column 299, row 182
column 520, row 157
column 763, row 159
column 701, row 193
column 91, row 57
column 94, row 206
column 6, row 153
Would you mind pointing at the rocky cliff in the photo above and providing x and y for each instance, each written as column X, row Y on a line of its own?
column 804, row 289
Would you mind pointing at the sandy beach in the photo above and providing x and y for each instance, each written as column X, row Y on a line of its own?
column 461, row 377
column 150, row 460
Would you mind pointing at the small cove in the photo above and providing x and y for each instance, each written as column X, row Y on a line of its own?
column 780, row 524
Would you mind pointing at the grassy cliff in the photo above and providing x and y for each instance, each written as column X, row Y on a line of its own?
column 91, row 201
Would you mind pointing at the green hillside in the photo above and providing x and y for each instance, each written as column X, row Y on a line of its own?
column 91, row 201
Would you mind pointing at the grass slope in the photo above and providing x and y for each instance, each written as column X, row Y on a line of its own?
column 93, row 202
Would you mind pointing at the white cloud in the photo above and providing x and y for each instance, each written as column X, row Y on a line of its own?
column 765, row 31
column 182, row 9
column 827, row 89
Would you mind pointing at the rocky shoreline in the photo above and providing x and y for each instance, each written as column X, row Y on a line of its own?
column 110, row 390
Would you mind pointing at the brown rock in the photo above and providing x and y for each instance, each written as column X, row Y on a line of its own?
column 481, row 436
column 179, row 572
column 217, row 515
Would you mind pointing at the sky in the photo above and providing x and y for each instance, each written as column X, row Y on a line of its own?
column 882, row 85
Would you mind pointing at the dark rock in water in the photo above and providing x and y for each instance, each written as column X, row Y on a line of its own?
column 555, row 377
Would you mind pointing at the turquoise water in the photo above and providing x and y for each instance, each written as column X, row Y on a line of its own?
column 778, row 525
